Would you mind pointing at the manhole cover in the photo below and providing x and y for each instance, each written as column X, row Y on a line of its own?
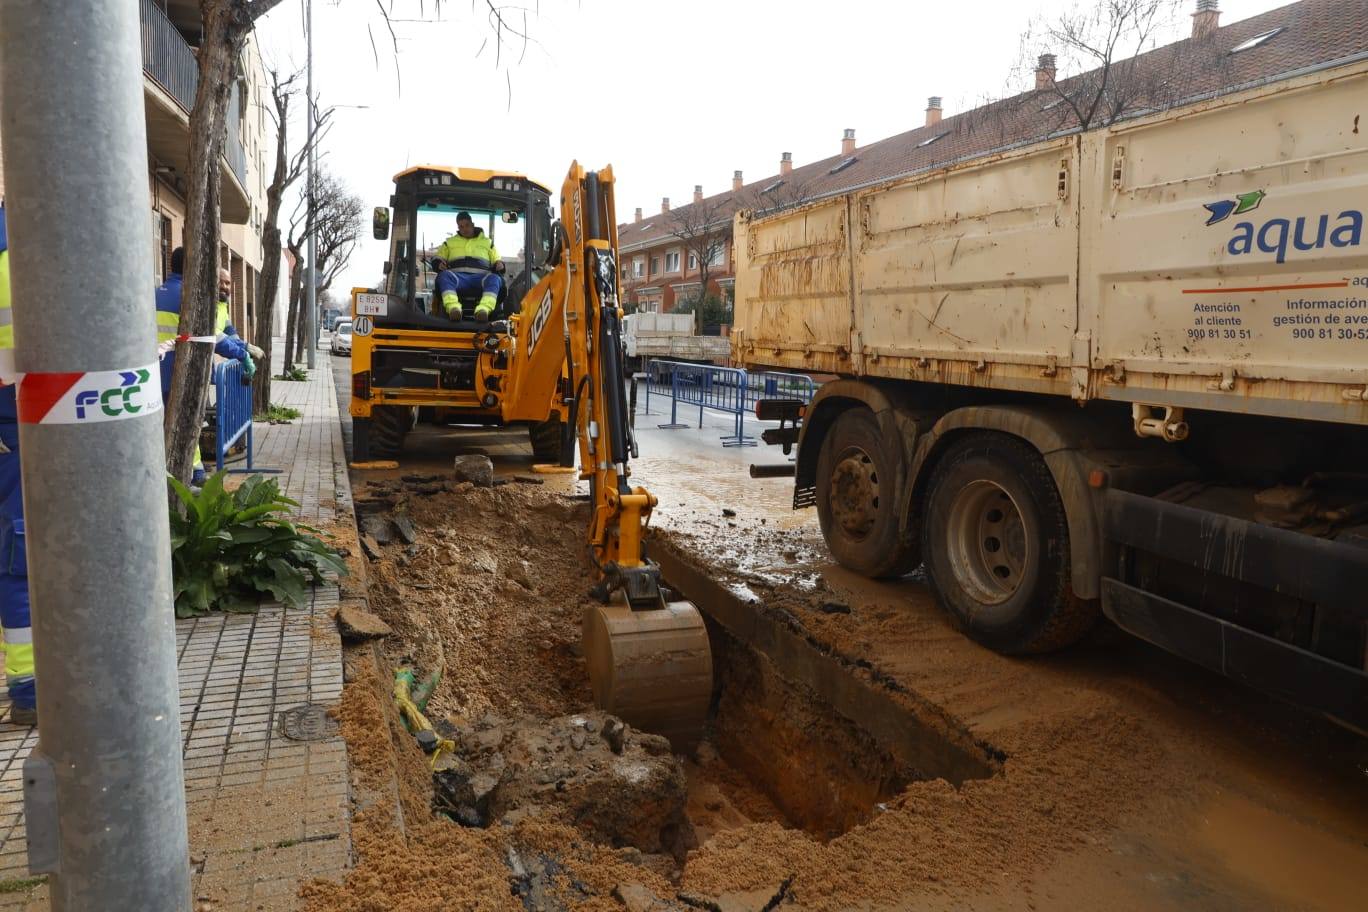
column 307, row 722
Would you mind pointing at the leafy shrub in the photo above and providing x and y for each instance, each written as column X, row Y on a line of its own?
column 231, row 549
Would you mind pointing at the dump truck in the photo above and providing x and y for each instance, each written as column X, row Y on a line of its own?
column 669, row 336
column 1118, row 372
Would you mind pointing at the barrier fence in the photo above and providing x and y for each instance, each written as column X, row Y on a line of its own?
column 730, row 390
column 232, row 412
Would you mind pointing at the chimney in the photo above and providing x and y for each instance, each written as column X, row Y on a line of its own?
column 1045, row 71
column 848, row 143
column 736, row 180
column 933, row 110
column 698, row 193
column 785, row 164
column 664, row 204
column 1207, row 19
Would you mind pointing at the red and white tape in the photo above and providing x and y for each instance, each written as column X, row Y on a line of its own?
column 90, row 397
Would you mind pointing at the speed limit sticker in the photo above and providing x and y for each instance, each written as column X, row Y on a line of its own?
column 362, row 326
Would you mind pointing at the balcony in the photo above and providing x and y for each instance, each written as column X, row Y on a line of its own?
column 170, row 76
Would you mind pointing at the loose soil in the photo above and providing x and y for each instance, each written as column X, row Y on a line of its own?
column 1119, row 778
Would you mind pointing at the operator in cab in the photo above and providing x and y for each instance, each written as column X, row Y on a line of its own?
column 467, row 260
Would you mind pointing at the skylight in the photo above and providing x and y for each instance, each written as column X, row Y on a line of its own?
column 1055, row 103
column 842, row 165
column 774, row 186
column 645, row 226
column 1256, row 40
column 930, row 140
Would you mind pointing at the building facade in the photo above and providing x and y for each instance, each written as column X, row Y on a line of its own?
column 170, row 33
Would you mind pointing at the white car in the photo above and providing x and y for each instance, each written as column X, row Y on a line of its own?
column 341, row 340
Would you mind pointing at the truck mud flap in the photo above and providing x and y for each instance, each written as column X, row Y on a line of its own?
column 1258, row 661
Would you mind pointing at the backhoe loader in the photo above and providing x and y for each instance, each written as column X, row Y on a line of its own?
column 550, row 358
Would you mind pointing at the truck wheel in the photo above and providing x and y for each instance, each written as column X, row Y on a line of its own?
column 389, row 425
column 857, row 500
column 546, row 439
column 996, row 543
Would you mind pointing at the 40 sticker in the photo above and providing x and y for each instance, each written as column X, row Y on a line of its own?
column 90, row 397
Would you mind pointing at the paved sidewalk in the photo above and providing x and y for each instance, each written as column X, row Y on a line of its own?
column 266, row 809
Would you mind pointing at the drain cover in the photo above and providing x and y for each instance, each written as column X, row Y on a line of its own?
column 307, row 722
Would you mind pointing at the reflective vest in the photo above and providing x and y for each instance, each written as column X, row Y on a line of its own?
column 168, row 308
column 8, row 374
column 473, row 252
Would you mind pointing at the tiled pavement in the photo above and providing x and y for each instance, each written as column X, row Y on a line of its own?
column 265, row 811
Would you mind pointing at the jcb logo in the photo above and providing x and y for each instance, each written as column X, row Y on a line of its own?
column 116, row 401
column 539, row 321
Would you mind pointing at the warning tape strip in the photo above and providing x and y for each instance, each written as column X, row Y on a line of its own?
column 89, row 397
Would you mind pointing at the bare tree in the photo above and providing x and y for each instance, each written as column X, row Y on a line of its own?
column 1099, row 42
column 227, row 23
column 288, row 169
column 338, row 220
column 705, row 230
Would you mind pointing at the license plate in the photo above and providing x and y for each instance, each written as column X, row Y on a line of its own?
column 375, row 305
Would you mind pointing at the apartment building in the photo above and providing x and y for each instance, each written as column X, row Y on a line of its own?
column 1213, row 60
column 170, row 32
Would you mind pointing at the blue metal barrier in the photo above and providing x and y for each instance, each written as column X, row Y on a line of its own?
column 233, row 412
column 722, row 389
column 778, row 385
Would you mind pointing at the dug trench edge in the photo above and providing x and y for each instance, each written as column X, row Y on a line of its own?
column 913, row 729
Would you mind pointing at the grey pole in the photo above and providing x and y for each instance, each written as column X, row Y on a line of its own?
column 312, row 297
column 104, row 794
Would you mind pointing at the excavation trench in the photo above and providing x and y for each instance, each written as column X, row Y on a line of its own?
column 823, row 739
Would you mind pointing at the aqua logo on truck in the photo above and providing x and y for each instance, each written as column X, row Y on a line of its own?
column 1274, row 235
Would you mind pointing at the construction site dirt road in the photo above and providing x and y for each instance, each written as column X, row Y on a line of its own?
column 861, row 752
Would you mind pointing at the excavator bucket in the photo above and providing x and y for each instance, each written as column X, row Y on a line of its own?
column 652, row 668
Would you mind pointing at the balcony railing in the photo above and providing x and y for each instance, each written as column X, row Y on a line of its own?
column 170, row 61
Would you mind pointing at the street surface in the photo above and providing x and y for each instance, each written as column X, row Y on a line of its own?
column 1123, row 778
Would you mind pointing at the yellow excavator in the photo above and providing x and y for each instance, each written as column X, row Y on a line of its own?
column 551, row 358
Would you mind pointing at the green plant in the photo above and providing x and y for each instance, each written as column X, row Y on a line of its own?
column 278, row 414
column 294, row 372
column 231, row 549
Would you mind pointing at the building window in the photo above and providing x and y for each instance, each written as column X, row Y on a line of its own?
column 639, row 267
column 718, row 256
column 655, row 265
column 672, row 261
column 693, row 260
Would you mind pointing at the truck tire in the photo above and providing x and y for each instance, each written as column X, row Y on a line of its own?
column 389, row 425
column 857, row 504
column 545, row 437
column 996, row 544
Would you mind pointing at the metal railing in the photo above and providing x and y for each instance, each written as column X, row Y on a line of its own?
column 232, row 412
column 168, row 58
column 730, row 390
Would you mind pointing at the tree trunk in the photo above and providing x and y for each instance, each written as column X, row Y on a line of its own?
column 267, row 285
column 223, row 36
column 292, row 324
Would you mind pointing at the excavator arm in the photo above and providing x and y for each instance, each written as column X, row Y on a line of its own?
column 648, row 655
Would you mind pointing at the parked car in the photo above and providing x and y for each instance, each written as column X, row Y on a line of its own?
column 341, row 340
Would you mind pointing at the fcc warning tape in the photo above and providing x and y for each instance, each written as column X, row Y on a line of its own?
column 90, row 396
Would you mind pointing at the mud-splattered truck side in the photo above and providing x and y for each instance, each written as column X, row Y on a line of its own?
column 1117, row 372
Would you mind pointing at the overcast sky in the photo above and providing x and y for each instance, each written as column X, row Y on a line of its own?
column 671, row 94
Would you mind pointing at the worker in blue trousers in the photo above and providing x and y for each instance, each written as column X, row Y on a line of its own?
column 227, row 344
column 14, row 592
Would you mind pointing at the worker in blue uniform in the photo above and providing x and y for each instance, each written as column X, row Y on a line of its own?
column 14, row 592
column 226, row 345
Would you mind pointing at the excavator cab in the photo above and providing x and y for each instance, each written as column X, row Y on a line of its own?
column 411, row 362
